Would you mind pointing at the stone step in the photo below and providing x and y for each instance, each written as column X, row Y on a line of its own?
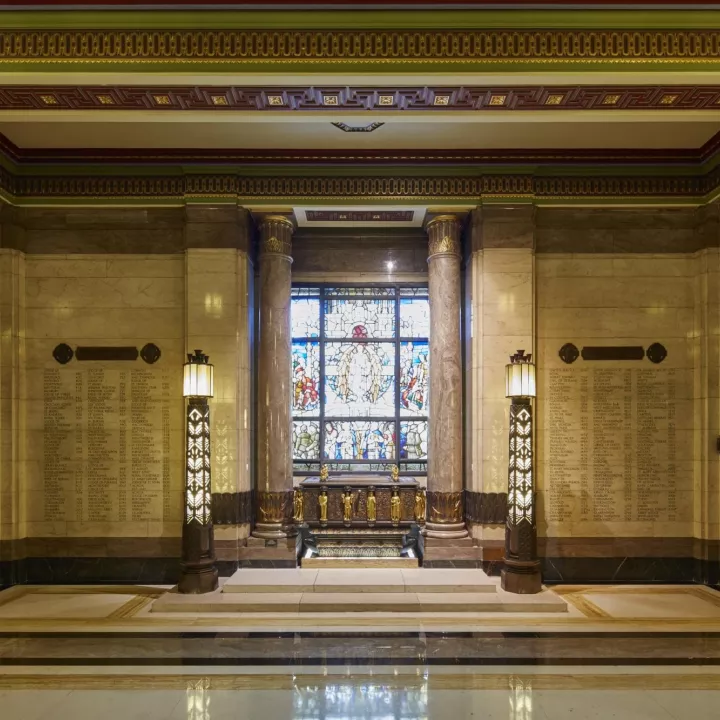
column 369, row 602
column 359, row 580
column 339, row 563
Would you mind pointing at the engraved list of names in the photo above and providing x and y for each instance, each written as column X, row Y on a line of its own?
column 106, row 451
column 612, row 445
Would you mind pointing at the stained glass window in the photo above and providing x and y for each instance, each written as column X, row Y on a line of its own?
column 414, row 378
column 306, row 377
column 360, row 378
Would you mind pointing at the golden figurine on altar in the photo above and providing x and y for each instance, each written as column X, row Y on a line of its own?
column 298, row 506
column 420, row 504
column 395, row 508
column 324, row 474
column 371, row 506
column 322, row 505
column 395, row 474
column 347, row 505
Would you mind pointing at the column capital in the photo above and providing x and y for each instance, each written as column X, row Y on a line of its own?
column 443, row 235
column 276, row 233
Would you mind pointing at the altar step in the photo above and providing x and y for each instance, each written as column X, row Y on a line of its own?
column 307, row 590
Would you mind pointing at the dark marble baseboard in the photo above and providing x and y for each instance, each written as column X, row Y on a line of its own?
column 619, row 570
column 485, row 508
column 232, row 508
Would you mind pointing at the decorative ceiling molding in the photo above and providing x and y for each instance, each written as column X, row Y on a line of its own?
column 358, row 128
column 351, row 4
column 436, row 99
column 351, row 48
column 512, row 156
column 284, row 188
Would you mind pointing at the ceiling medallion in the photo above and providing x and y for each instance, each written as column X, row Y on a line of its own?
column 275, row 100
column 497, row 100
column 386, row 100
column 358, row 128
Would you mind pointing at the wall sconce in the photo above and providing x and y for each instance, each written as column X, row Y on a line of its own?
column 199, row 573
column 521, row 573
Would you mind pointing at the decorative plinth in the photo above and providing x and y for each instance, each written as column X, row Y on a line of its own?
column 446, row 531
column 521, row 578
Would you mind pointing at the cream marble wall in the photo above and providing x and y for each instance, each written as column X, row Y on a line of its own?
column 12, row 356
column 616, row 299
column 502, row 296
column 706, row 353
column 105, row 300
column 219, row 321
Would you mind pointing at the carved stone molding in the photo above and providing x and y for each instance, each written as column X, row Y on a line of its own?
column 485, row 508
column 232, row 508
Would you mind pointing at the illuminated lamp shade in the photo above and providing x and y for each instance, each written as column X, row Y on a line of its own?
column 198, row 378
column 520, row 376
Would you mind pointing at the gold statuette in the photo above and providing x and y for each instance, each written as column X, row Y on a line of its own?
column 298, row 506
column 347, row 506
column 324, row 474
column 322, row 505
column 371, row 507
column 420, row 505
column 395, row 508
column 395, row 474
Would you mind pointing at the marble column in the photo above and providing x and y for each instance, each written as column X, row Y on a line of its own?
column 445, row 471
column 274, row 511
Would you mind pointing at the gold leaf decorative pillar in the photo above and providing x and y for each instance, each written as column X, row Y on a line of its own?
column 274, row 496
column 445, row 472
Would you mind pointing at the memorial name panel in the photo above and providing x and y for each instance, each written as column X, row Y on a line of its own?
column 612, row 447
column 106, row 453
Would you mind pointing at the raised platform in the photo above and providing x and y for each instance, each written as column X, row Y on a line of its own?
column 416, row 590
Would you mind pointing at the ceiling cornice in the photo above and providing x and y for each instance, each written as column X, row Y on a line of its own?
column 378, row 50
column 694, row 158
column 281, row 99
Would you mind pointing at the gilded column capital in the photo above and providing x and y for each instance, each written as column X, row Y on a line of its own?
column 443, row 235
column 276, row 233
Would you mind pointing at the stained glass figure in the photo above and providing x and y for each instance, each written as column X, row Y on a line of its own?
column 359, row 379
column 305, row 317
column 306, row 440
column 414, row 317
column 359, row 440
column 359, row 319
column 306, row 377
column 414, row 378
column 413, row 439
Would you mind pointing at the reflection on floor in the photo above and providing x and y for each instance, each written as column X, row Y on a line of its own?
column 620, row 652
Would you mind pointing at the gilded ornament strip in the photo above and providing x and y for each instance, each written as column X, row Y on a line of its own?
column 367, row 46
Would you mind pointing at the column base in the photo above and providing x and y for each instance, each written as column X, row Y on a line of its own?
column 195, row 581
column 521, row 578
column 447, row 531
column 269, row 531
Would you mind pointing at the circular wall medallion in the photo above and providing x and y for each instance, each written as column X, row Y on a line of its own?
column 656, row 353
column 150, row 353
column 569, row 353
column 63, row 353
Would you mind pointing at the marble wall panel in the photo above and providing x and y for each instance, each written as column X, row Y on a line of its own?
column 616, row 440
column 104, row 440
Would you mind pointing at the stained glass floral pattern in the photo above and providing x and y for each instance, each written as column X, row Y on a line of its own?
column 359, row 319
column 359, row 440
column 414, row 318
column 305, row 317
column 413, row 439
column 306, row 440
column 359, row 379
column 306, row 377
column 414, row 378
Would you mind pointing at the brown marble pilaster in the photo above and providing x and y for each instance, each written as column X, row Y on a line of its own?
column 274, row 489
column 445, row 474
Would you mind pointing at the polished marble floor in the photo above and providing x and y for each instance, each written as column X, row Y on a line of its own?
column 618, row 653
